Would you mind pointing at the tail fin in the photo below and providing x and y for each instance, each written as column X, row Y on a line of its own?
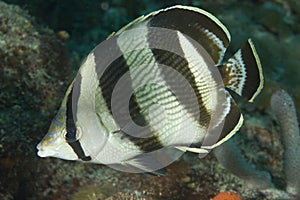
column 243, row 73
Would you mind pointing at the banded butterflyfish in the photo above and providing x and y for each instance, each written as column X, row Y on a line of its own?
column 153, row 90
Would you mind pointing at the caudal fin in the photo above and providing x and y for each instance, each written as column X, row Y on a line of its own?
column 243, row 73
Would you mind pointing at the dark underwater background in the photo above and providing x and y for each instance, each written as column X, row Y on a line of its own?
column 42, row 44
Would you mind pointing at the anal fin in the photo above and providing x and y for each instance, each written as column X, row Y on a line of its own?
column 153, row 163
column 192, row 149
column 159, row 172
column 230, row 124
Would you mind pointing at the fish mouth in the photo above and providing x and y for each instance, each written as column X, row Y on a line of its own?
column 41, row 152
column 38, row 147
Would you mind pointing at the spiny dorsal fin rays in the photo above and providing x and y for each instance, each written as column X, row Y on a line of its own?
column 198, row 24
column 243, row 72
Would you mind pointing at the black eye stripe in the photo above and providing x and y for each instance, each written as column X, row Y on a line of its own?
column 76, row 146
column 70, row 125
column 70, row 136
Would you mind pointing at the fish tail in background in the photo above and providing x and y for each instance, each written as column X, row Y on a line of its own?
column 284, row 108
column 231, row 157
column 243, row 73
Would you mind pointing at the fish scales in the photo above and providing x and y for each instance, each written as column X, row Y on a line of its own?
column 181, row 65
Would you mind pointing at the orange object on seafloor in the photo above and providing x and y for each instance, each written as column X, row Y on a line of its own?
column 227, row 196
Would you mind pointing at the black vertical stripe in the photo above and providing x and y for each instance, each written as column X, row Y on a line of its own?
column 107, row 83
column 110, row 77
column 70, row 125
column 71, row 130
column 181, row 65
column 76, row 94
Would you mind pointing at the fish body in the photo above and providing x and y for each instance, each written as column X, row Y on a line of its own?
column 153, row 90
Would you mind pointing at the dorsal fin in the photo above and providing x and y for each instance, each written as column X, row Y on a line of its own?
column 132, row 24
column 196, row 23
column 243, row 73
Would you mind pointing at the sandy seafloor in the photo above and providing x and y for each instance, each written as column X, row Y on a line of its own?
column 273, row 25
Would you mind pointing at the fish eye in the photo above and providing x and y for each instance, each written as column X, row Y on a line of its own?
column 72, row 135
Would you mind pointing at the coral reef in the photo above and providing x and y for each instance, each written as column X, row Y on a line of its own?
column 229, row 156
column 33, row 71
column 284, row 108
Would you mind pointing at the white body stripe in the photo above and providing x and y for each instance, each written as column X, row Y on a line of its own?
column 203, row 75
column 87, row 119
column 213, row 93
